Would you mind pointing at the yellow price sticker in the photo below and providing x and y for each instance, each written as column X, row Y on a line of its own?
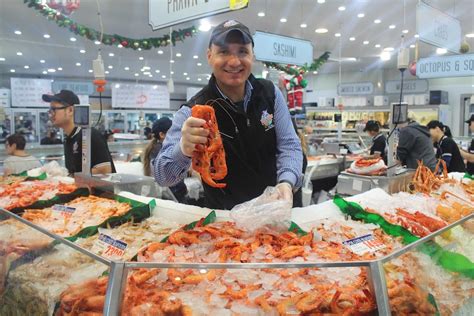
column 238, row 4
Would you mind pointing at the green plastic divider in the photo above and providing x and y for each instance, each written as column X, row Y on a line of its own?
column 468, row 176
column 58, row 199
column 42, row 176
column 450, row 261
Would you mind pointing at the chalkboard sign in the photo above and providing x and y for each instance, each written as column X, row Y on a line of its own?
column 138, row 96
column 27, row 92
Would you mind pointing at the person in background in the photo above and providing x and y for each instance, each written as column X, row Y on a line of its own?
column 18, row 160
column 414, row 144
column 109, row 136
column 147, row 132
column 260, row 143
column 61, row 112
column 469, row 155
column 379, row 142
column 51, row 138
column 158, row 132
column 446, row 147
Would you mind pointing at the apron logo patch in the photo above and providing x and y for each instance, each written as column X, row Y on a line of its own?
column 75, row 148
column 267, row 120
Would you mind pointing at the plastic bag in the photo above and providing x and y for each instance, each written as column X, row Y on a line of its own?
column 268, row 209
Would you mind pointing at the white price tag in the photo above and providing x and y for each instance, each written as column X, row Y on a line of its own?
column 363, row 244
column 64, row 210
column 109, row 247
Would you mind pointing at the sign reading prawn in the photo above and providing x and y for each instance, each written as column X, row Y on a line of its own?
column 282, row 49
column 164, row 13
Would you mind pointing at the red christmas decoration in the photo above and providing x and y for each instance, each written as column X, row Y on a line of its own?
column 295, row 87
column 64, row 6
column 412, row 68
column 124, row 43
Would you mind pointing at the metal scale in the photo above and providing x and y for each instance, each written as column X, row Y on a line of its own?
column 106, row 183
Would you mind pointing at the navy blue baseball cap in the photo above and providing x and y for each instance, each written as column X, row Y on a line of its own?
column 65, row 96
column 471, row 119
column 161, row 125
column 220, row 34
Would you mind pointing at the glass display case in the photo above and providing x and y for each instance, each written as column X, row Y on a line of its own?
column 5, row 124
column 26, row 122
column 417, row 276
column 101, row 125
column 133, row 122
column 116, row 122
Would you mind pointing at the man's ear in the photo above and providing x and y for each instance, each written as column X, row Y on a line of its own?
column 209, row 53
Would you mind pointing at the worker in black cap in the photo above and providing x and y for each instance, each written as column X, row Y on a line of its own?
column 260, row 143
column 158, row 131
column 379, row 142
column 469, row 155
column 61, row 113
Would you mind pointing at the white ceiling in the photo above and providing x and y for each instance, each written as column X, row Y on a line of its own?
column 130, row 18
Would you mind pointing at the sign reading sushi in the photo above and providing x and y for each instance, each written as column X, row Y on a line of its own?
column 282, row 49
column 164, row 13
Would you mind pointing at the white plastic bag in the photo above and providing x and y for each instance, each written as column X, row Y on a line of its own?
column 266, row 210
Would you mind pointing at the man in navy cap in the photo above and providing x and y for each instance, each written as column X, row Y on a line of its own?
column 261, row 145
column 61, row 113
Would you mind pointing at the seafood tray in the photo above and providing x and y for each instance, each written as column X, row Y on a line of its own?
column 34, row 288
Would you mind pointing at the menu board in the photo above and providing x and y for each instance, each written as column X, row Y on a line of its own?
column 27, row 92
column 139, row 96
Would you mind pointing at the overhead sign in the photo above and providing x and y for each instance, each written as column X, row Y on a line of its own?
column 28, row 92
column 409, row 86
column 137, row 96
column 446, row 66
column 78, row 87
column 282, row 49
column 164, row 13
column 437, row 28
column 359, row 88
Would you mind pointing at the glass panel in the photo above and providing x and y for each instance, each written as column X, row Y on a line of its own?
column 5, row 125
column 150, row 118
column 247, row 291
column 25, row 124
column 417, row 284
column 36, row 275
column 423, row 116
column 116, row 122
column 49, row 135
column 101, row 126
column 133, row 123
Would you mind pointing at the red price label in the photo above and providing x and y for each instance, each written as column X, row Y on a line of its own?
column 66, row 215
column 112, row 251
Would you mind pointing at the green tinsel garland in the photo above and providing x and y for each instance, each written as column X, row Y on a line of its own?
column 108, row 39
column 295, row 71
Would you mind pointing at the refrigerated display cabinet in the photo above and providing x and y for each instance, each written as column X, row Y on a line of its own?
column 443, row 287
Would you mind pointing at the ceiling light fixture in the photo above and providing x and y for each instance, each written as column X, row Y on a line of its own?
column 352, row 39
column 155, row 87
column 2, row 59
column 185, row 73
column 111, row 54
column 82, row 51
column 126, row 68
column 90, row 70
column 412, row 46
column 385, row 56
column 321, row 30
column 147, row 73
column 470, row 35
column 157, row 71
column 199, row 64
column 441, row 51
column 303, row 25
column 337, row 35
column 110, row 67
column 45, row 72
column 321, row 1
column 365, row 42
column 187, row 78
column 73, row 39
column 26, row 67
column 283, row 20
column 12, row 70
column 360, row 15
column 199, row 79
column 204, row 26
column 377, row 21
column 51, row 70
column 315, row 72
column 163, row 76
column 119, row 46
column 342, row 8
column 160, row 52
column 172, row 72
column 17, row 32
column 78, row 64
column 97, row 42
column 405, row 31
column 60, row 69
column 388, row 49
column 178, row 55
column 42, row 61
column 47, row 36
column 377, row 45
column 172, row 61
column 19, row 53
column 195, row 56
column 140, row 58
column 146, row 68
column 136, row 74
column 261, row 14
column 107, row 72
column 392, row 26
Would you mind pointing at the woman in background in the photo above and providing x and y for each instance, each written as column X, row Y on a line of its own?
column 446, row 147
column 158, row 131
column 18, row 160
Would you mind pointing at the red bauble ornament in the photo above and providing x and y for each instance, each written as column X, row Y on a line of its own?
column 412, row 68
column 64, row 6
column 124, row 43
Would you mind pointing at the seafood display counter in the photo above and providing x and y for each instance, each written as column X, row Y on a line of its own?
column 64, row 251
